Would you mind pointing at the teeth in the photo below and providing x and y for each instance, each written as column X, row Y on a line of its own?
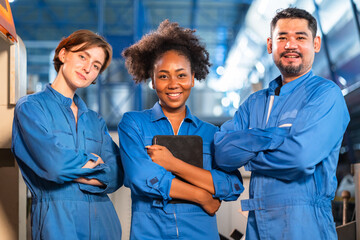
column 174, row 94
column 291, row 56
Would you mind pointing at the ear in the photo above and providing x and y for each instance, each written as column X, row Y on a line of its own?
column 62, row 54
column 269, row 45
column 317, row 44
column 192, row 79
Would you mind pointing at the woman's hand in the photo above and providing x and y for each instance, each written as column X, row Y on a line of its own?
column 91, row 181
column 197, row 176
column 92, row 164
column 208, row 203
column 186, row 191
column 162, row 156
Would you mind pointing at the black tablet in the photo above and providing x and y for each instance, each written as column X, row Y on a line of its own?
column 188, row 148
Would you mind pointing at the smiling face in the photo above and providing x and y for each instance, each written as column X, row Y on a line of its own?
column 80, row 69
column 172, row 80
column 293, row 47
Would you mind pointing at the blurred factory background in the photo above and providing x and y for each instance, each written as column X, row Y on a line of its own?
column 235, row 33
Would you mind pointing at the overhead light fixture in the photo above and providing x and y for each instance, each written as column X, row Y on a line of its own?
column 220, row 70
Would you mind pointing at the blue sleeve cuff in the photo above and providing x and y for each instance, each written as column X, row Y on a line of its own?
column 161, row 185
column 228, row 186
column 102, row 176
column 91, row 157
column 91, row 188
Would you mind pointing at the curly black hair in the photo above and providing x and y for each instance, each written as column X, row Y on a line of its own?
column 141, row 56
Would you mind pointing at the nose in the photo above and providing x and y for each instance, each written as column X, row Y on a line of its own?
column 87, row 66
column 291, row 44
column 173, row 83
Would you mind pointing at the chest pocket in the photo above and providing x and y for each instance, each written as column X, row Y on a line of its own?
column 93, row 142
column 286, row 123
column 207, row 157
column 64, row 139
column 287, row 119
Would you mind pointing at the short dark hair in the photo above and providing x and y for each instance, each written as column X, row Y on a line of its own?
column 294, row 13
column 141, row 56
column 90, row 39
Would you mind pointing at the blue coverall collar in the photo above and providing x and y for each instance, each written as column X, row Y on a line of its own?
column 65, row 100
column 289, row 87
column 157, row 114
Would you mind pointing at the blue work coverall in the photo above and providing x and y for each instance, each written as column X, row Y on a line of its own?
column 153, row 217
column 291, row 144
column 50, row 150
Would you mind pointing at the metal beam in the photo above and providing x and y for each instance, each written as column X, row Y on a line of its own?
column 331, row 65
column 356, row 16
column 139, row 13
column 100, row 29
column 194, row 13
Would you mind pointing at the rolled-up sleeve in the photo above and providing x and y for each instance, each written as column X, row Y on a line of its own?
column 142, row 175
column 228, row 186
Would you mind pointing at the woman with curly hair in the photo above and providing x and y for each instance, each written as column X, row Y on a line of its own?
column 172, row 57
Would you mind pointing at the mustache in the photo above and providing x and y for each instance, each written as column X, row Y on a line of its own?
column 286, row 52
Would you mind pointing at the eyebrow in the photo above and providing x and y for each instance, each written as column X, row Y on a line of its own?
column 177, row 70
column 88, row 54
column 297, row 33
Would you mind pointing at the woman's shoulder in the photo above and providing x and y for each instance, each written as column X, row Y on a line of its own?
column 136, row 116
column 206, row 126
column 33, row 101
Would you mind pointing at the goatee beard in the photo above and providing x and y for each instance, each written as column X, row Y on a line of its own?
column 289, row 70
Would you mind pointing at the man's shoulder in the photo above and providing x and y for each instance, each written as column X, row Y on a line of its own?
column 317, row 88
column 259, row 94
column 320, row 85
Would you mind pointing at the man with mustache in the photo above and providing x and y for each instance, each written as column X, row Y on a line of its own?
column 289, row 136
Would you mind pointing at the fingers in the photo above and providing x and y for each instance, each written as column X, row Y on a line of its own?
column 151, row 149
column 99, row 160
column 154, row 147
column 89, row 164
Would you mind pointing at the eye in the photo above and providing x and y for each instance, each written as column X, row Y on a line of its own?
column 97, row 67
column 281, row 38
column 182, row 75
column 301, row 38
column 82, row 56
column 162, row 76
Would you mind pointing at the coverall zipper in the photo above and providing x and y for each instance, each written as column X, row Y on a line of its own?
column 177, row 229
